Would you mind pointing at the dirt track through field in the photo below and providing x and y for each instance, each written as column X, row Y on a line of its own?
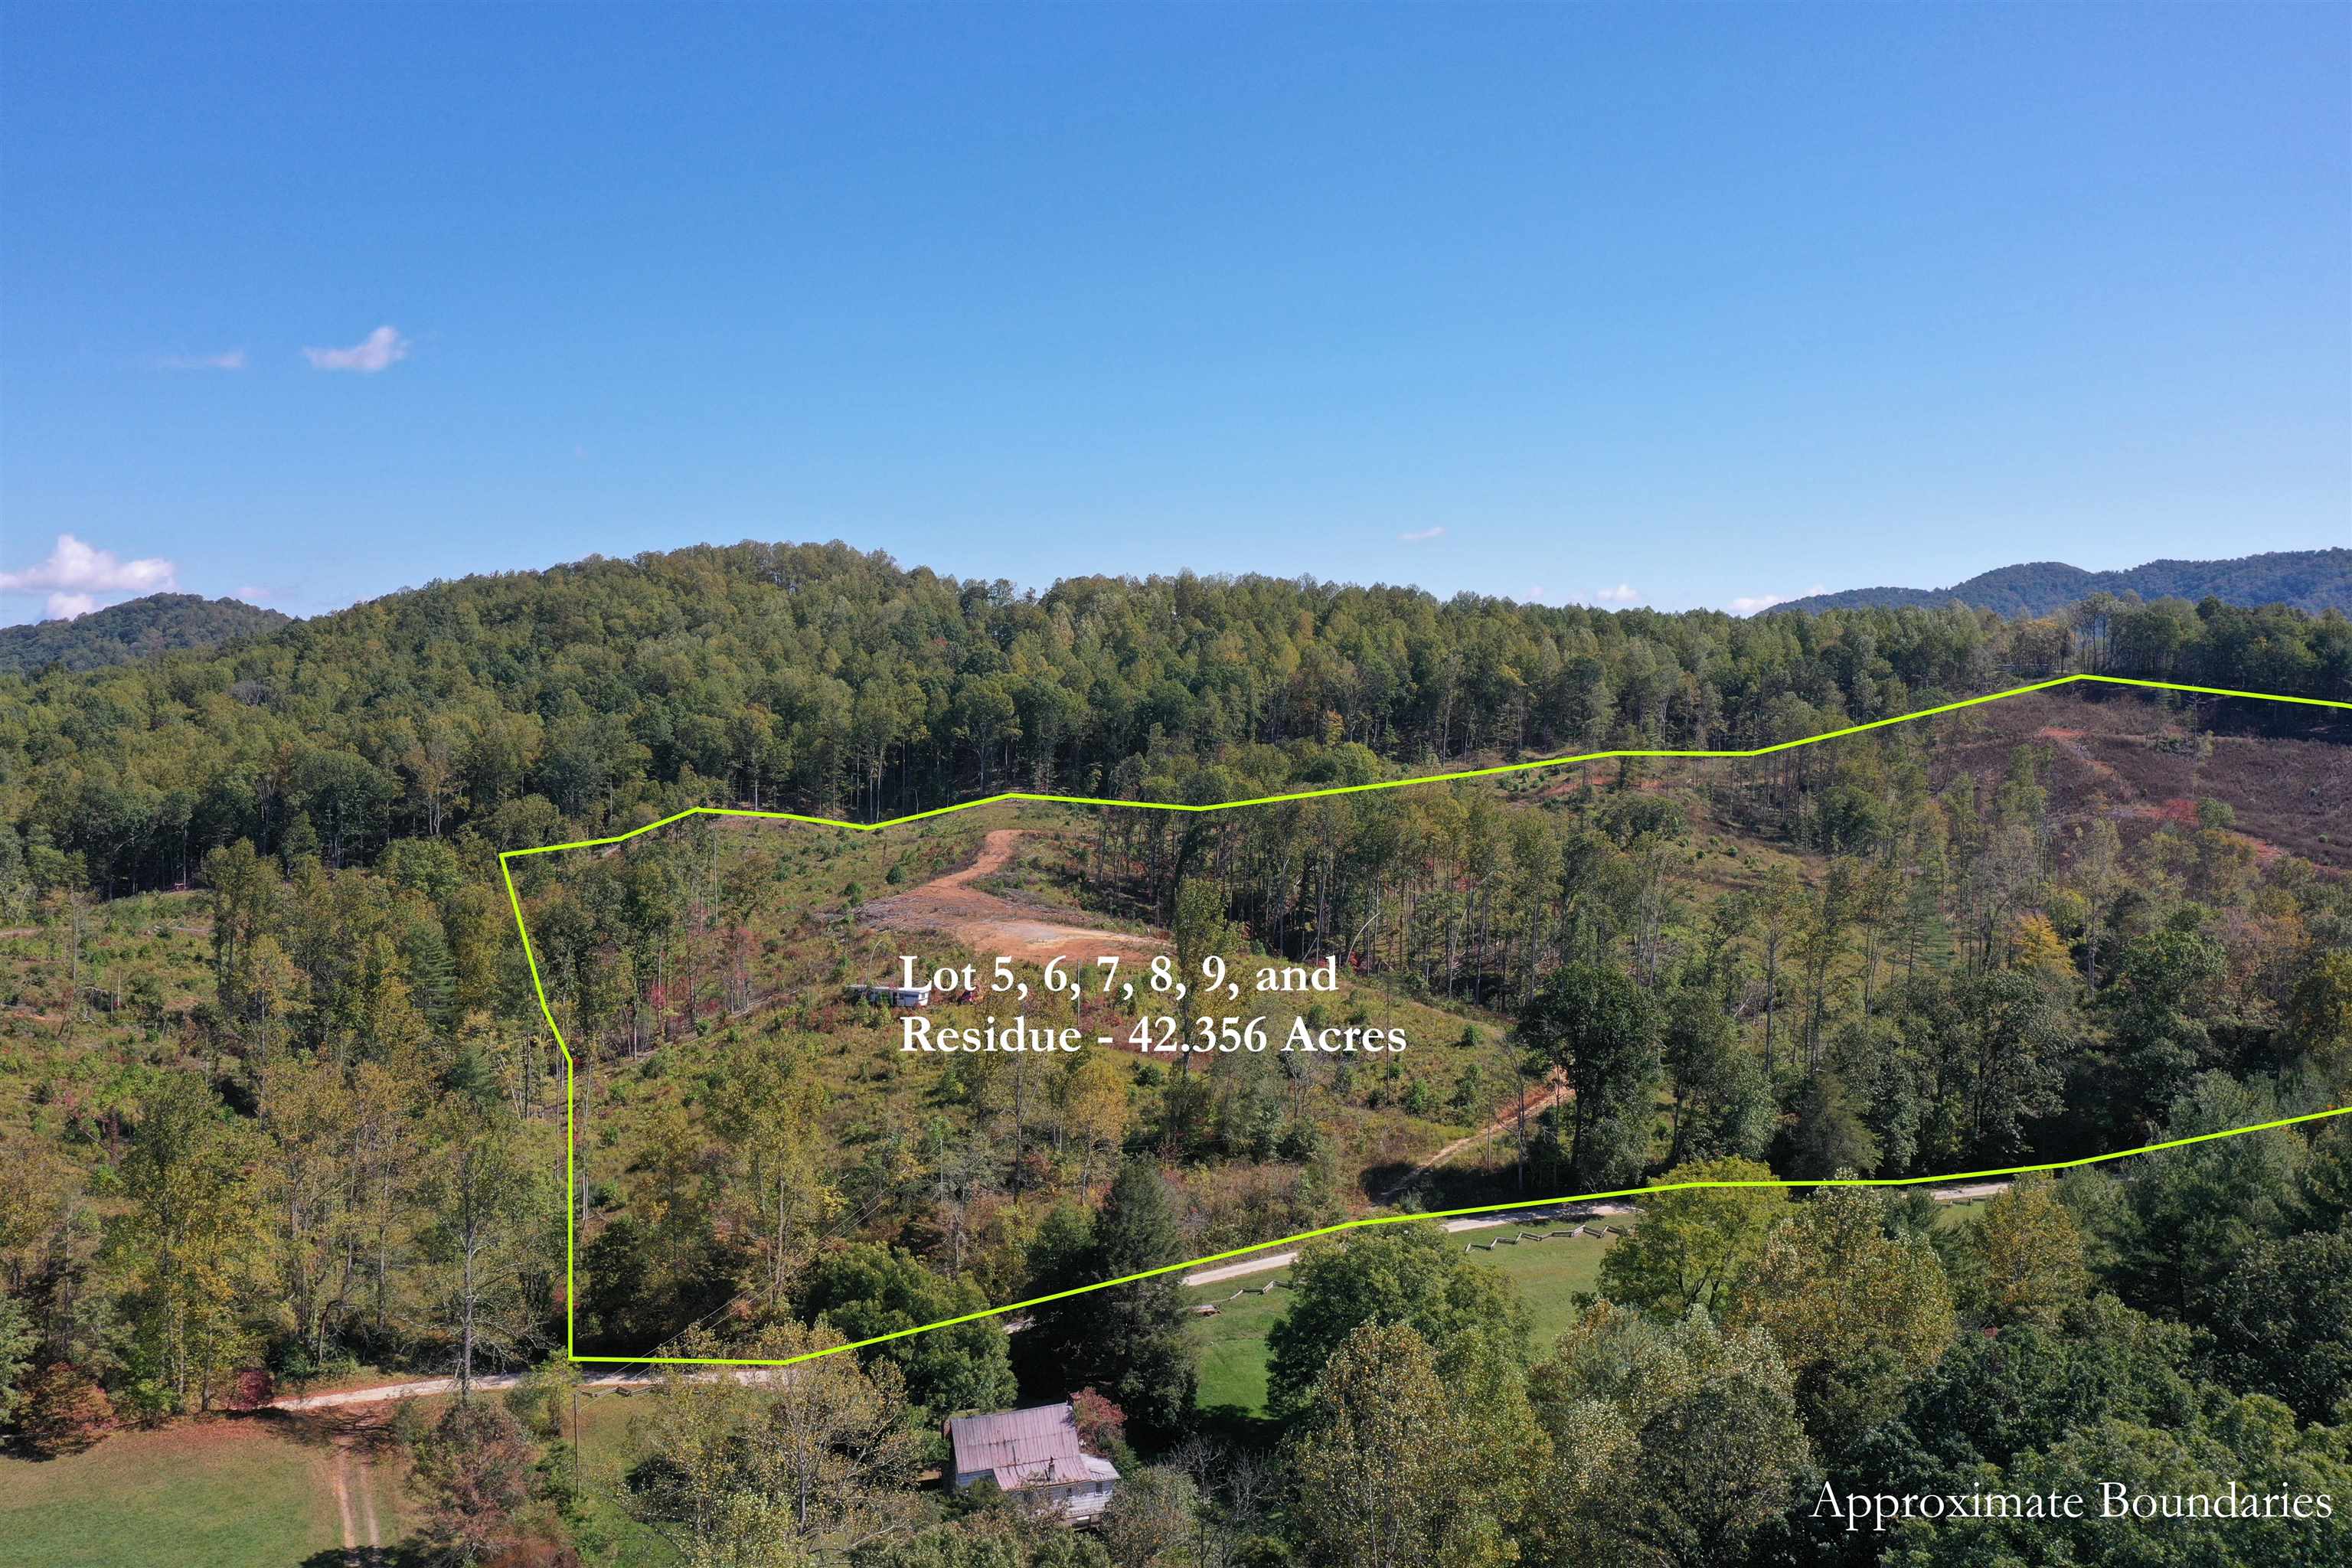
column 340, row 1471
column 1553, row 1091
column 351, row 1474
column 367, row 1510
column 988, row 924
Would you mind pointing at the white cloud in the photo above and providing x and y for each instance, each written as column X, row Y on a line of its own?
column 1757, row 604
column 1622, row 594
column 379, row 350
column 251, row 594
column 233, row 359
column 75, row 575
column 1421, row 534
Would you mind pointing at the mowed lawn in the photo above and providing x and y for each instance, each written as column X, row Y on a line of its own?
column 1549, row 1274
column 255, row 1493
column 1232, row 1344
column 218, row 1494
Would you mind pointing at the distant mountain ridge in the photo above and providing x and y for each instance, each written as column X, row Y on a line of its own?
column 2311, row 580
column 121, row 633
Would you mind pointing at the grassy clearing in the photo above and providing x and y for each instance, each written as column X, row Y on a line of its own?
column 1233, row 1345
column 259, row 1492
column 609, row 1535
column 1549, row 1274
column 1382, row 1112
column 245, row 1493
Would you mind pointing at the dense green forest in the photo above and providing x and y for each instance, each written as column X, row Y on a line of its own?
column 503, row 711
column 2312, row 580
column 157, row 624
column 278, row 1105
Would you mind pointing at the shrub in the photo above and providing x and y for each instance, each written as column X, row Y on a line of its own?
column 65, row 1412
column 472, row 1477
column 252, row 1388
column 1099, row 1422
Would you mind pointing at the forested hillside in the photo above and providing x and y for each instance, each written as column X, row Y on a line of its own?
column 160, row 623
column 2312, row 580
column 510, row 710
column 301, row 1120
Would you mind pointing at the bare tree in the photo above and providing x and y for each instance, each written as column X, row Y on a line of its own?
column 479, row 1197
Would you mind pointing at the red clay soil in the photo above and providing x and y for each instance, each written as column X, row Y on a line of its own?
column 2132, row 757
column 989, row 924
column 2139, row 762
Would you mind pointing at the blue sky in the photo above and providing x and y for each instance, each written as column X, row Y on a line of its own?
column 1678, row 306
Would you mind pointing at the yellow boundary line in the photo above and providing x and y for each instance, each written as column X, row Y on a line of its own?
column 570, row 1213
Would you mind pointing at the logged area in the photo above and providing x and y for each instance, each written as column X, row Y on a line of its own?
column 2289, row 791
column 959, row 906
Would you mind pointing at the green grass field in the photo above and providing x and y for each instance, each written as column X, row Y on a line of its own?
column 1549, row 1274
column 235, row 1494
column 251, row 1493
column 1232, row 1344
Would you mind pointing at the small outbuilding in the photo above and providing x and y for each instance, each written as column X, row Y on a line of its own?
column 1035, row 1453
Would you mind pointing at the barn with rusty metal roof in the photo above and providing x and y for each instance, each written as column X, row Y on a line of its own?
column 1034, row 1452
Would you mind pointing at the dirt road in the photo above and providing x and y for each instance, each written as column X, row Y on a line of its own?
column 989, row 924
column 493, row 1383
column 1969, row 1193
column 1274, row 1261
column 421, row 1388
column 1537, row 1101
column 483, row 1382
